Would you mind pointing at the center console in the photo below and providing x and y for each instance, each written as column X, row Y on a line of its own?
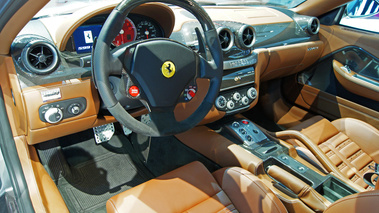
column 247, row 135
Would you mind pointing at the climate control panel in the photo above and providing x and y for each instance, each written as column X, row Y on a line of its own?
column 236, row 99
column 57, row 111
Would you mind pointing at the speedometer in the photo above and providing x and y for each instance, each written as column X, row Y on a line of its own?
column 127, row 33
column 146, row 30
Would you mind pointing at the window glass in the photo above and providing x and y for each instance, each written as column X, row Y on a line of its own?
column 362, row 14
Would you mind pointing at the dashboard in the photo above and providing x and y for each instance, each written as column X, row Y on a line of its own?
column 53, row 61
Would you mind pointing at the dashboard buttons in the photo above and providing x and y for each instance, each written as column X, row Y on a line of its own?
column 221, row 102
column 252, row 93
column 242, row 131
column 237, row 96
column 57, row 111
column 245, row 100
column 53, row 115
column 235, row 124
column 74, row 109
column 235, row 100
column 230, row 105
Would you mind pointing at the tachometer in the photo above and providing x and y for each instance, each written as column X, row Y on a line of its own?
column 146, row 30
column 127, row 33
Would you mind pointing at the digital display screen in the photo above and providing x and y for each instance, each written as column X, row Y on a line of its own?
column 84, row 37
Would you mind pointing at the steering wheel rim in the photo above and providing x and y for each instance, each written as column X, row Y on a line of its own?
column 106, row 63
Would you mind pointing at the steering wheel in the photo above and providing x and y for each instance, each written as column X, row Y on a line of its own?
column 157, row 71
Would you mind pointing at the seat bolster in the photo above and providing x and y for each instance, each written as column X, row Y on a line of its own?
column 362, row 133
column 360, row 202
column 247, row 192
column 317, row 128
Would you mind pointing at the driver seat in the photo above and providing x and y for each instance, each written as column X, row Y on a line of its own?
column 192, row 188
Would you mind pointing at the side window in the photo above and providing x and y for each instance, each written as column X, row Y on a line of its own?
column 362, row 14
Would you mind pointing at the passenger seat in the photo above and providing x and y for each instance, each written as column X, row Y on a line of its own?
column 351, row 145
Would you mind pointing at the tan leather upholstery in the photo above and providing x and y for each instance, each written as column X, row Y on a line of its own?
column 304, row 191
column 192, row 188
column 360, row 202
column 351, row 145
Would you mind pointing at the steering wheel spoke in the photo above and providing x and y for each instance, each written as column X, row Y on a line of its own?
column 205, row 69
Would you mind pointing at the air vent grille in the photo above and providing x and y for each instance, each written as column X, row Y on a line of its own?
column 40, row 57
column 226, row 38
column 313, row 26
column 246, row 37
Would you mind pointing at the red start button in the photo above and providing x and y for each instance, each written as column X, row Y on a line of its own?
column 245, row 122
column 134, row 91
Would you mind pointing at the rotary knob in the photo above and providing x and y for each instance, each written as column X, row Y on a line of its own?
column 252, row 93
column 245, row 100
column 75, row 110
column 221, row 102
column 53, row 115
column 230, row 105
column 237, row 96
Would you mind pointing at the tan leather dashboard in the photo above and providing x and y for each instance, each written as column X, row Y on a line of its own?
column 287, row 60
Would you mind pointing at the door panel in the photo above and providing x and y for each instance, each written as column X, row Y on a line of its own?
column 345, row 82
column 337, row 37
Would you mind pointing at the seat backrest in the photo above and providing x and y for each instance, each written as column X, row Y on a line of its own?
column 351, row 145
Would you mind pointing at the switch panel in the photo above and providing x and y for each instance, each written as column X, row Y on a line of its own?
column 57, row 111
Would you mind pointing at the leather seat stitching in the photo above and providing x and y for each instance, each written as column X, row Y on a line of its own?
column 262, row 189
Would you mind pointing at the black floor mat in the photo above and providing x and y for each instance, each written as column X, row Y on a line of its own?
column 86, row 174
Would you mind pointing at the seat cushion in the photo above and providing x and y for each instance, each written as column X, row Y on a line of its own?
column 192, row 188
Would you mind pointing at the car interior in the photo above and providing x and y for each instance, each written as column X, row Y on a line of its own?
column 188, row 106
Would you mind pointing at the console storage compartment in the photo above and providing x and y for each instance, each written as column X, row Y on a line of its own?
column 334, row 189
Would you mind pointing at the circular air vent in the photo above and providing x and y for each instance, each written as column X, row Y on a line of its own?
column 246, row 37
column 40, row 57
column 226, row 38
column 313, row 26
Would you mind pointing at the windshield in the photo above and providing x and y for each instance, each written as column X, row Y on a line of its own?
column 62, row 7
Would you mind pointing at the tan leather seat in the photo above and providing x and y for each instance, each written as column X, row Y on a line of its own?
column 192, row 188
column 351, row 145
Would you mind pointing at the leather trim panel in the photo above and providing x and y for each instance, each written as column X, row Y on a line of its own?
column 334, row 107
column 12, row 96
column 336, row 37
column 44, row 193
column 355, row 85
column 290, row 59
column 40, row 131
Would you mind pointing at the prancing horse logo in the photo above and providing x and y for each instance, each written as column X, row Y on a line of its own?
column 168, row 69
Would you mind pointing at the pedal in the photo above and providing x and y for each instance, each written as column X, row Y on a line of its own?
column 103, row 133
